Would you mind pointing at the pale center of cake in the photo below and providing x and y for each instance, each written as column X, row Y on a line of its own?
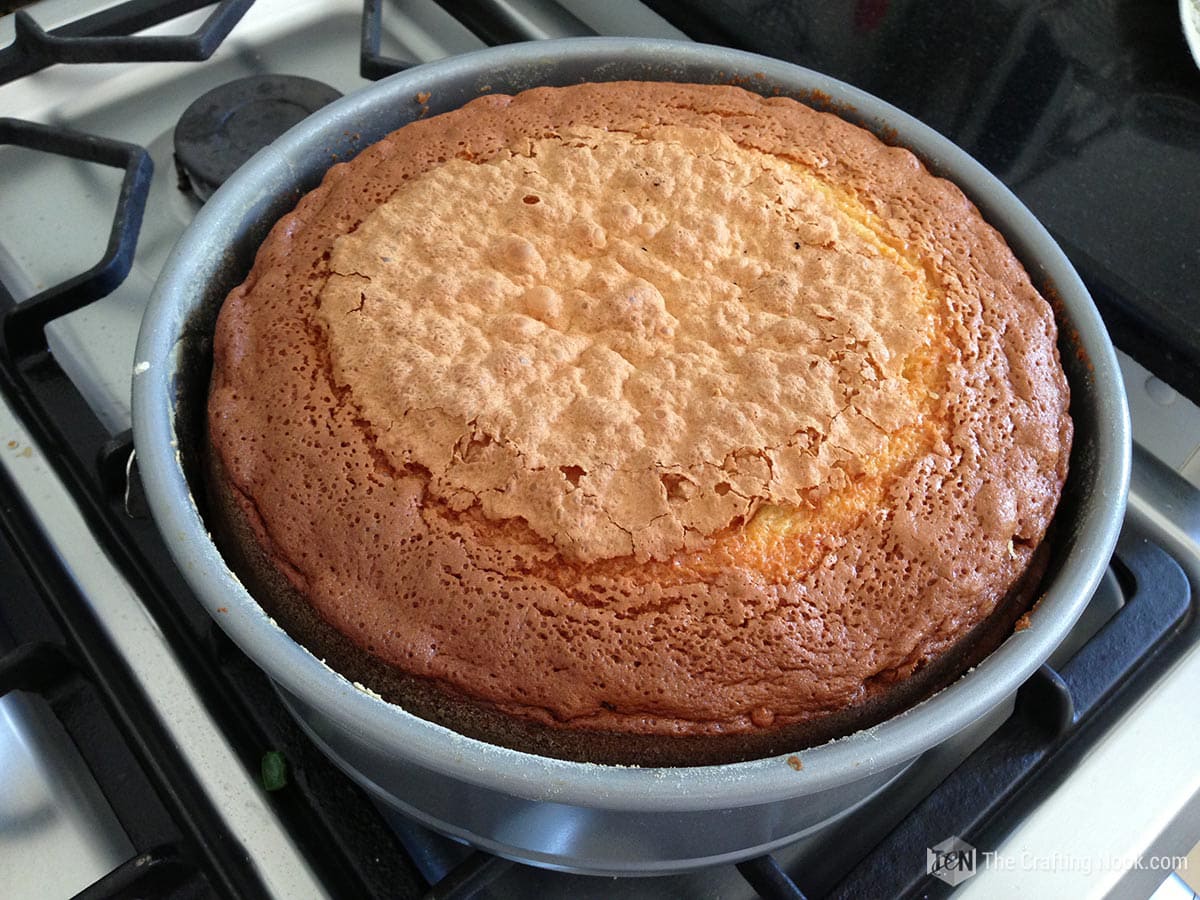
column 630, row 342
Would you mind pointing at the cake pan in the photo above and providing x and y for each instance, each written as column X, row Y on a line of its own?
column 568, row 815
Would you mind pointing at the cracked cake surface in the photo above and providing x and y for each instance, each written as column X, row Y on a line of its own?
column 638, row 422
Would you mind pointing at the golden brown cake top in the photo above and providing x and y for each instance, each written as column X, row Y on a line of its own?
column 626, row 340
column 787, row 453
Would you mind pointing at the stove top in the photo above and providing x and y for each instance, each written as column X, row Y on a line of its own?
column 1088, row 110
column 153, row 731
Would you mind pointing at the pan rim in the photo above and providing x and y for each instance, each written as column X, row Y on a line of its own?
column 202, row 250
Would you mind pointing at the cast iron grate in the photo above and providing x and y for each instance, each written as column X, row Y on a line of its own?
column 493, row 23
column 110, row 36
column 24, row 323
column 372, row 63
column 768, row 879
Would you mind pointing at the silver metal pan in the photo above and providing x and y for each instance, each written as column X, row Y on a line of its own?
column 565, row 814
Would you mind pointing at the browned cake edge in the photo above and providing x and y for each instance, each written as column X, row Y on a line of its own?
column 437, row 702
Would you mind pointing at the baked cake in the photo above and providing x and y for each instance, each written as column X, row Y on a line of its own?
column 638, row 423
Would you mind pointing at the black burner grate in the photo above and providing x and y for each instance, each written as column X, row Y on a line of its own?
column 109, row 36
column 24, row 324
column 493, row 23
column 372, row 63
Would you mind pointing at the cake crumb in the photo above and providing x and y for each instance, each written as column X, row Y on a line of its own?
column 422, row 97
column 366, row 690
column 794, row 762
column 762, row 717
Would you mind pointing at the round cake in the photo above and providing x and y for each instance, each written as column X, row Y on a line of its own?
column 638, row 423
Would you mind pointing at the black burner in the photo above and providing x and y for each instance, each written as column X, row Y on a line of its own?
column 232, row 122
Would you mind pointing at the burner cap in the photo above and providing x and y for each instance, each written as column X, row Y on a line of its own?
column 232, row 122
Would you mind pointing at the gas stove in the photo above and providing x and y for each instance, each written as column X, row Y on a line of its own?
column 142, row 755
